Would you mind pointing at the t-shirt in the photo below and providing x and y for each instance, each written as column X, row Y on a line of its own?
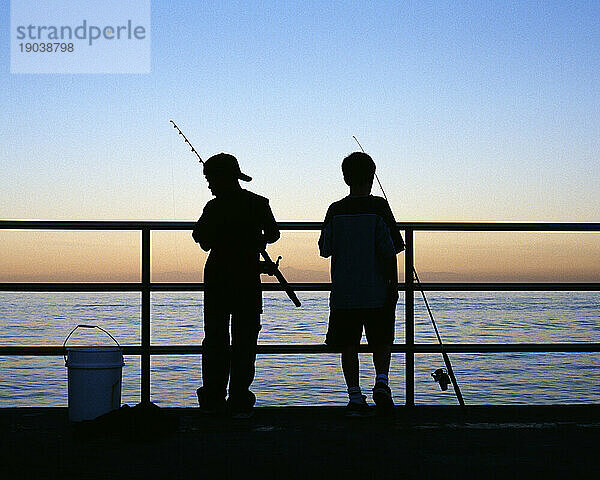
column 360, row 235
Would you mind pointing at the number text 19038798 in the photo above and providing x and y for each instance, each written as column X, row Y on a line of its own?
column 49, row 47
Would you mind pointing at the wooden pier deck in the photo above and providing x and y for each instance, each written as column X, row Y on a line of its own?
column 310, row 442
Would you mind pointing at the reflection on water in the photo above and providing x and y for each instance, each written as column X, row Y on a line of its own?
column 475, row 317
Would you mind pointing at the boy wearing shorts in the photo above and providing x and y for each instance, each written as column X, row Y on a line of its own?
column 360, row 235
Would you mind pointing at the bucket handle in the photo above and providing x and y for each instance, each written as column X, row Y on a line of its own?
column 86, row 326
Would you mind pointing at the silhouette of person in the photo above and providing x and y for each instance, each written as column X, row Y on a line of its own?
column 360, row 235
column 234, row 226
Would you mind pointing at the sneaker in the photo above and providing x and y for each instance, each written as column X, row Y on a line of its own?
column 358, row 409
column 210, row 406
column 382, row 396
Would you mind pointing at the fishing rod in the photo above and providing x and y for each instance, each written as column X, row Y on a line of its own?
column 440, row 376
column 443, row 378
column 376, row 176
column 187, row 141
column 268, row 266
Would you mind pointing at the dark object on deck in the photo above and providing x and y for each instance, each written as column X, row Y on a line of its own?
column 441, row 377
column 144, row 421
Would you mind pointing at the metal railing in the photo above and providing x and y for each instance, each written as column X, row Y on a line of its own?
column 408, row 348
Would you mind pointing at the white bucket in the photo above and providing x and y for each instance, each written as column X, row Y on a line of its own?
column 94, row 379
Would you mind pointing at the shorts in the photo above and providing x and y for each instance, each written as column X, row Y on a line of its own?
column 346, row 326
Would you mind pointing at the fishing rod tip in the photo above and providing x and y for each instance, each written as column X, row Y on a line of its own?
column 356, row 140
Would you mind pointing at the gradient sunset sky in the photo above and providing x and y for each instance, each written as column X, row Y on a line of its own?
column 480, row 111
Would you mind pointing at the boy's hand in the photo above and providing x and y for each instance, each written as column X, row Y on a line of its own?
column 402, row 246
column 267, row 268
column 261, row 242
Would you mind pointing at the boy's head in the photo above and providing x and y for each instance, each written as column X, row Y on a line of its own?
column 224, row 165
column 358, row 169
column 223, row 173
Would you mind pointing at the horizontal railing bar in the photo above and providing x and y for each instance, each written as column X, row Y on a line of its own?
column 402, row 348
column 432, row 286
column 501, row 226
column 300, row 286
column 90, row 225
column 508, row 286
column 321, row 348
column 70, row 287
column 425, row 226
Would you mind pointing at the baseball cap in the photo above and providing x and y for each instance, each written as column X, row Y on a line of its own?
column 224, row 164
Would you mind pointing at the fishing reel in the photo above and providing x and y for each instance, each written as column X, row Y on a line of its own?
column 269, row 267
column 441, row 376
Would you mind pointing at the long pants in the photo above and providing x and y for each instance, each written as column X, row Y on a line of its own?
column 220, row 363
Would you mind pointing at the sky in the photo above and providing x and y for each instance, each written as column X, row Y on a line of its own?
column 472, row 111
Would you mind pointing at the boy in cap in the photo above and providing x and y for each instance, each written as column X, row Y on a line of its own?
column 360, row 235
column 235, row 226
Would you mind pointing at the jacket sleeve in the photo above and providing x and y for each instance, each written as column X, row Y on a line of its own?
column 270, row 229
column 204, row 231
column 397, row 239
column 386, row 250
column 325, row 239
column 384, row 243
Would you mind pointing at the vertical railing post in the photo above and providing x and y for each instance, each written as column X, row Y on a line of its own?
column 145, row 363
column 409, row 322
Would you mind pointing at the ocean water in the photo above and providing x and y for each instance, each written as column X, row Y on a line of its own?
column 469, row 317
